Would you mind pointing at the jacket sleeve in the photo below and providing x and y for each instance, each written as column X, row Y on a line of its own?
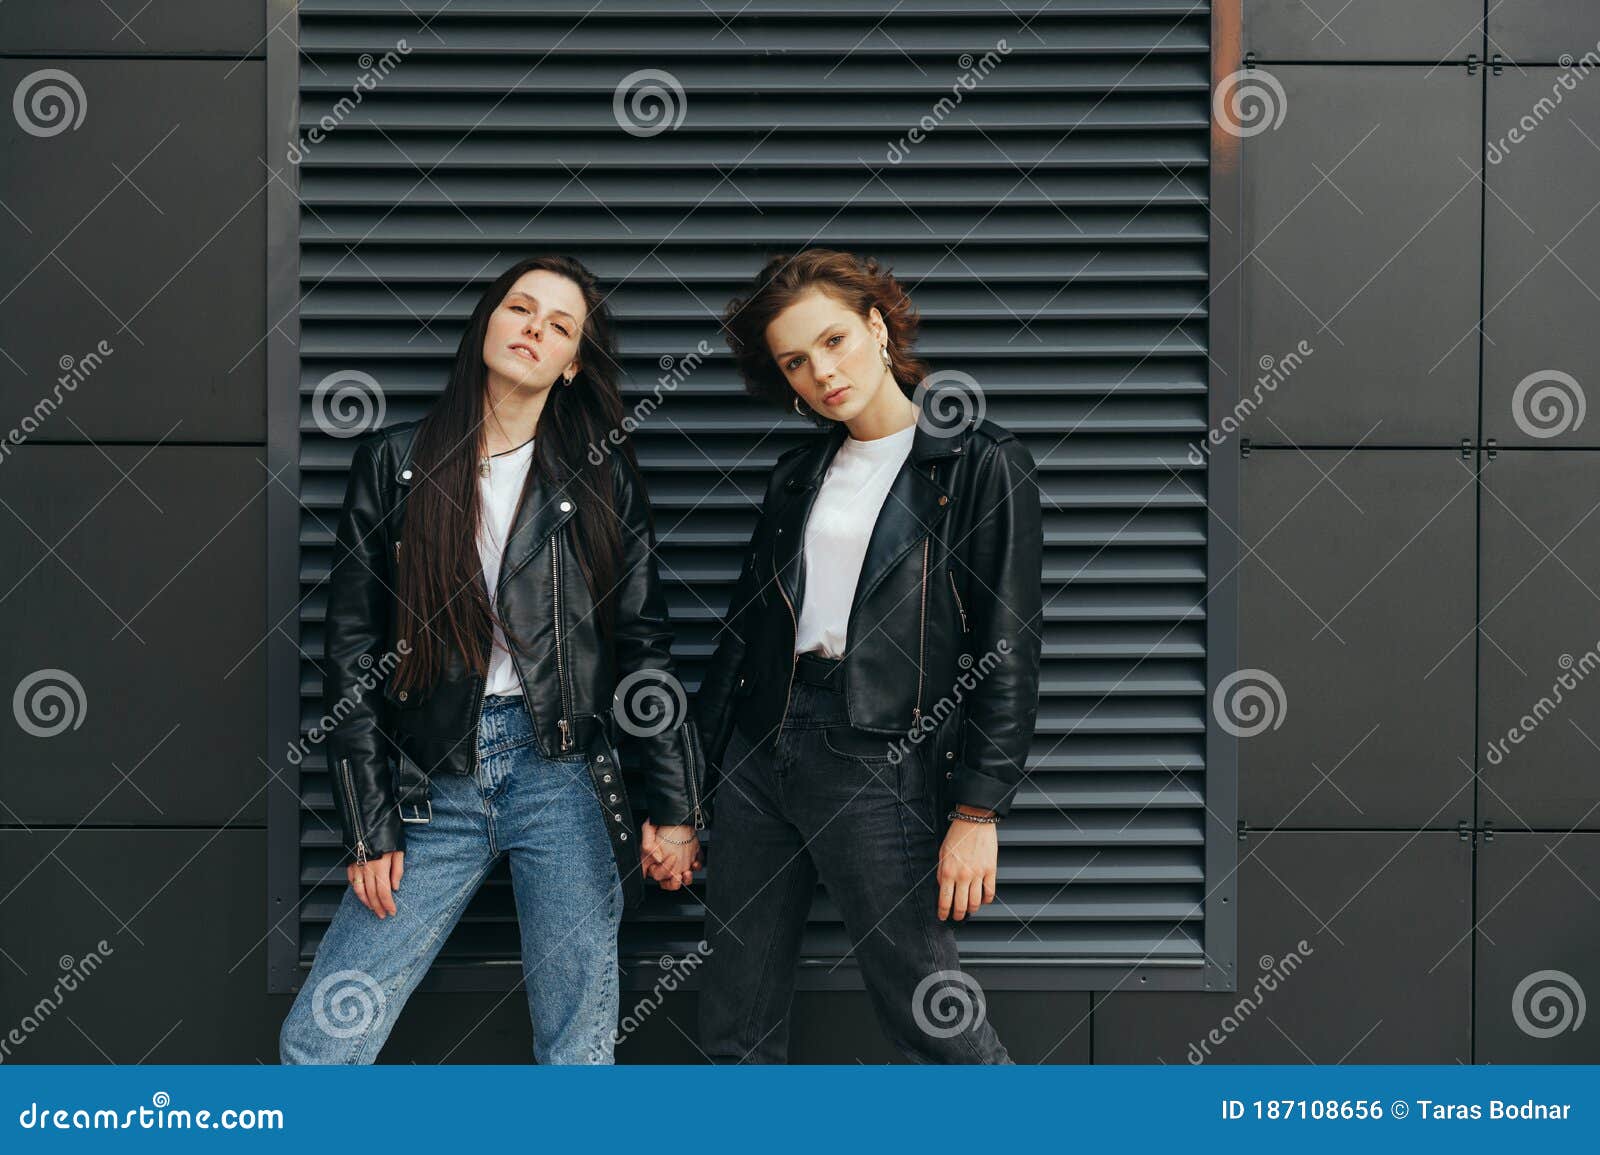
column 1006, row 555
column 713, row 701
column 651, row 703
column 355, row 633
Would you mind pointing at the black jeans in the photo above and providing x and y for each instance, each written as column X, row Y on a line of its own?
column 830, row 802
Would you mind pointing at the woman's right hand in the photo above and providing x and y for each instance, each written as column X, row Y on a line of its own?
column 377, row 881
column 670, row 864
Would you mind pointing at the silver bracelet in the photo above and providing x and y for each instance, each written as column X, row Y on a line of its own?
column 674, row 841
column 956, row 815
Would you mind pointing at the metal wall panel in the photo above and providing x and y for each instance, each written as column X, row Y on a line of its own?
column 1054, row 232
column 1363, row 29
column 1361, row 228
column 1358, row 594
column 1538, row 949
column 133, row 601
column 142, row 228
column 1539, row 679
column 180, row 981
column 135, row 27
column 1387, row 978
column 1541, row 250
column 1544, row 31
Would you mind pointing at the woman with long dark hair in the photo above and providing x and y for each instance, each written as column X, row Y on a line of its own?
column 873, row 693
column 494, row 617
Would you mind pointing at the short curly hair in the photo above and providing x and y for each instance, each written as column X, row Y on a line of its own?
column 858, row 283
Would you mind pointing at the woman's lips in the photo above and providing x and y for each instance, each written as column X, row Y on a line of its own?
column 524, row 351
column 835, row 396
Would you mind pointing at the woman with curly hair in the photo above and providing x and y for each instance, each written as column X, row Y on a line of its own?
column 856, row 736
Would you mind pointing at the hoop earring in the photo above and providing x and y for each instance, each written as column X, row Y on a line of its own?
column 883, row 351
column 799, row 411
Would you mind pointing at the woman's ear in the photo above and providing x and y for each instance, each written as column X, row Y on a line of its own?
column 876, row 325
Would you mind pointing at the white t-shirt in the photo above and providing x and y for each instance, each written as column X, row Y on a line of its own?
column 837, row 531
column 497, row 495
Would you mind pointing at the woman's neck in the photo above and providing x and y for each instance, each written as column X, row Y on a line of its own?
column 510, row 415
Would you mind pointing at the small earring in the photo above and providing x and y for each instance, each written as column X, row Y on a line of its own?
column 883, row 351
column 797, row 407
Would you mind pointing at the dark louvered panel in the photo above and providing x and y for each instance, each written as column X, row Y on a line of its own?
column 1054, row 229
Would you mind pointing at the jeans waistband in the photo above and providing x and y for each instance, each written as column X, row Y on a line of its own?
column 815, row 669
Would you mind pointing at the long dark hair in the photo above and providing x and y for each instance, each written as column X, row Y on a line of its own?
column 442, row 595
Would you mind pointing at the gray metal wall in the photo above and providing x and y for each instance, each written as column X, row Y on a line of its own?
column 153, row 501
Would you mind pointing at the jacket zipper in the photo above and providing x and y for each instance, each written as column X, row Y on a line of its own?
column 563, row 723
column 694, row 789
column 961, row 609
column 922, row 633
column 794, row 658
column 922, row 620
column 355, row 815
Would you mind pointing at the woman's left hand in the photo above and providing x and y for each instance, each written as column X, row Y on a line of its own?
column 967, row 864
column 670, row 863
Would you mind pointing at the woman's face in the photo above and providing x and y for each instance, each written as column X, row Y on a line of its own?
column 829, row 354
column 533, row 333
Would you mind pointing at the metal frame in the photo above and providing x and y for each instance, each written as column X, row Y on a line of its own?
column 1217, row 972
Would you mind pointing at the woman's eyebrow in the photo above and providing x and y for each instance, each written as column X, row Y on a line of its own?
column 535, row 300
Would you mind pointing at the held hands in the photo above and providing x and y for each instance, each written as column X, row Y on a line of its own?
column 377, row 881
column 669, row 863
column 967, row 862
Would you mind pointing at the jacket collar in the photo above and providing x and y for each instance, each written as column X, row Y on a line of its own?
column 915, row 505
column 546, row 505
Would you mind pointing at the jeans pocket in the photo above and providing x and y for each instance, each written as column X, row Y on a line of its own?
column 890, row 758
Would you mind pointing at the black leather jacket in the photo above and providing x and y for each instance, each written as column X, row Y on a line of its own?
column 385, row 744
column 947, row 609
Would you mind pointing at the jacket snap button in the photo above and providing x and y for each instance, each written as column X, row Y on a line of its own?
column 623, row 835
column 949, row 773
column 403, row 694
column 606, row 778
column 949, row 755
column 611, row 798
column 405, row 475
column 566, row 506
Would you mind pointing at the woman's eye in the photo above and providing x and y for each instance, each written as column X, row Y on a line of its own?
column 562, row 329
column 835, row 339
column 795, row 364
column 518, row 309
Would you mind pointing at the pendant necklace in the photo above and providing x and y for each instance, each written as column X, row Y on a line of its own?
column 483, row 462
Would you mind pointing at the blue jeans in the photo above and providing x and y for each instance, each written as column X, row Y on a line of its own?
column 543, row 812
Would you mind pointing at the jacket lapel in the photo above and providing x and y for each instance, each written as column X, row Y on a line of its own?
column 546, row 505
column 913, row 509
